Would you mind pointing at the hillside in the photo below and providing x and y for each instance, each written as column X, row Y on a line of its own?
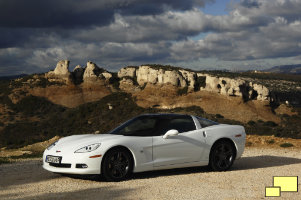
column 286, row 69
column 87, row 100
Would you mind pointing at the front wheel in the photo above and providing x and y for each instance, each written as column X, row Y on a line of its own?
column 222, row 156
column 117, row 165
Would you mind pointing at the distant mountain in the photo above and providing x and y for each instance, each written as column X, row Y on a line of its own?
column 12, row 77
column 287, row 69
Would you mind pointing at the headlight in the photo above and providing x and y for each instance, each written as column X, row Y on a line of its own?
column 88, row 148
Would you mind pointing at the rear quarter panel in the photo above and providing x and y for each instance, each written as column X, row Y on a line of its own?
column 235, row 133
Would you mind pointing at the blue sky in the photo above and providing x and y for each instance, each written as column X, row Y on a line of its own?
column 195, row 34
column 219, row 7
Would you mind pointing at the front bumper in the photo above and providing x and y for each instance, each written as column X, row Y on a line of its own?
column 71, row 161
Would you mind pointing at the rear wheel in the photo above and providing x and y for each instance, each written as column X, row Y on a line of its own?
column 117, row 165
column 222, row 156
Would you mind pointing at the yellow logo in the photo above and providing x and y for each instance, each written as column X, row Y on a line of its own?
column 282, row 184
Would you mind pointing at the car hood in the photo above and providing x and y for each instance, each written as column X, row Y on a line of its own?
column 79, row 141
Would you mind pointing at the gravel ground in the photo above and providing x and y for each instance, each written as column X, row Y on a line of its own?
column 247, row 180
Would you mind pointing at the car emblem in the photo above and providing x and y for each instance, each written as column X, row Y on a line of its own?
column 58, row 151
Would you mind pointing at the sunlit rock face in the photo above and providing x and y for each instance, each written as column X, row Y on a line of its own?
column 61, row 73
column 92, row 73
column 184, row 78
column 135, row 78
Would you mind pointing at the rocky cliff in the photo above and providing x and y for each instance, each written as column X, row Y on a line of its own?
column 91, row 74
column 194, row 81
column 154, row 86
column 89, row 83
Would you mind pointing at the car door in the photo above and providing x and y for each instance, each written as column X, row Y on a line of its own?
column 183, row 148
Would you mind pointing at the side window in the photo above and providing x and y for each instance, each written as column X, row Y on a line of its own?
column 143, row 126
column 182, row 124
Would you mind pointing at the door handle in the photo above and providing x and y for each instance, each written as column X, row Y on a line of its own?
column 204, row 134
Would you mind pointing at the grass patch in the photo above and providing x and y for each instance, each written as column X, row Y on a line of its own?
column 270, row 123
column 272, row 141
column 4, row 160
column 26, row 155
column 286, row 145
column 251, row 123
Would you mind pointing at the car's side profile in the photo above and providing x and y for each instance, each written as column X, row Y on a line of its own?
column 148, row 142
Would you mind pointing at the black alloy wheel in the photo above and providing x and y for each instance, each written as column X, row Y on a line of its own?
column 222, row 156
column 117, row 165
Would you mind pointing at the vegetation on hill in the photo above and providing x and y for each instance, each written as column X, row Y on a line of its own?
column 35, row 119
column 106, row 114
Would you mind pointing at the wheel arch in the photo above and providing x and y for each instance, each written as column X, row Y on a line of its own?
column 124, row 148
column 224, row 139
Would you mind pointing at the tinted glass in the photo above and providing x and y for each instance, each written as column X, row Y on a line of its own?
column 140, row 126
column 180, row 123
column 154, row 125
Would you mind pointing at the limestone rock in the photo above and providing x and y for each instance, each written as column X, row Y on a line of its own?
column 92, row 72
column 190, row 77
column 128, row 85
column 146, row 74
column 62, row 68
column 61, row 73
column 262, row 91
column 128, row 71
column 231, row 87
column 174, row 78
column 106, row 75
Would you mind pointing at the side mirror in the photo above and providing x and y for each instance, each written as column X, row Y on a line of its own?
column 171, row 132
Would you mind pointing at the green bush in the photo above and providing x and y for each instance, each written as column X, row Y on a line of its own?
column 251, row 123
column 4, row 160
column 270, row 123
column 285, row 145
column 219, row 116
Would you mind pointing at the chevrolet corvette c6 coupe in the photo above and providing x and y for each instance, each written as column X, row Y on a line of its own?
column 148, row 142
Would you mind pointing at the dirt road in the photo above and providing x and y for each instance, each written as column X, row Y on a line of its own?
column 247, row 180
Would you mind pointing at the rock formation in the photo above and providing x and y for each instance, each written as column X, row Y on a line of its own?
column 132, row 79
column 146, row 74
column 62, row 68
column 184, row 78
column 92, row 73
column 128, row 71
column 61, row 72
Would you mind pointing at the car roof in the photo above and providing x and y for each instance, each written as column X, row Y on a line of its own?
column 165, row 114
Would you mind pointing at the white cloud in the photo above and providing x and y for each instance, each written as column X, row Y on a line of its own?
column 255, row 32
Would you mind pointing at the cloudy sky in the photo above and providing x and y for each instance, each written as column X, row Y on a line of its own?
column 196, row 34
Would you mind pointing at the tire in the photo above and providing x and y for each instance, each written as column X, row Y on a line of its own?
column 222, row 156
column 117, row 165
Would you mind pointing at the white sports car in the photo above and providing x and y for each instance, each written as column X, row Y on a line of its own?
column 148, row 142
